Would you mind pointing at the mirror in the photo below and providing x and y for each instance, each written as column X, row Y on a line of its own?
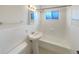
column 33, row 17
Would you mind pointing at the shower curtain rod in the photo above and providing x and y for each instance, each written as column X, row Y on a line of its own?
column 54, row 7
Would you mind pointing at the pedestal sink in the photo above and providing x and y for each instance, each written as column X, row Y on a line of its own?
column 34, row 37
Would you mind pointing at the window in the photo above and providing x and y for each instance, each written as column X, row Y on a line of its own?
column 34, row 15
column 52, row 15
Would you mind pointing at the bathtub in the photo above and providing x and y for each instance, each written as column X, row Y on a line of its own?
column 54, row 44
column 12, row 38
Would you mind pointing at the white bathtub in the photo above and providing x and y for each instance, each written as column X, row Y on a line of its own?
column 11, row 36
column 52, row 43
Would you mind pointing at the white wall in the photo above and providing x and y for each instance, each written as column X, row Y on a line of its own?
column 33, row 25
column 13, row 14
column 54, row 27
column 73, row 26
column 13, row 31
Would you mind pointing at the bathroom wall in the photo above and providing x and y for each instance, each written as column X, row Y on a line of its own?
column 56, row 26
column 13, row 31
column 67, row 24
column 12, row 14
column 73, row 26
column 34, row 25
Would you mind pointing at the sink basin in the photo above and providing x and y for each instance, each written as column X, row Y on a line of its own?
column 35, row 35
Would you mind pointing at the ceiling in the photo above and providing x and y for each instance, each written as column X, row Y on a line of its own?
column 50, row 6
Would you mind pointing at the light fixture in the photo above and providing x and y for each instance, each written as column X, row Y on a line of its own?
column 31, row 7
